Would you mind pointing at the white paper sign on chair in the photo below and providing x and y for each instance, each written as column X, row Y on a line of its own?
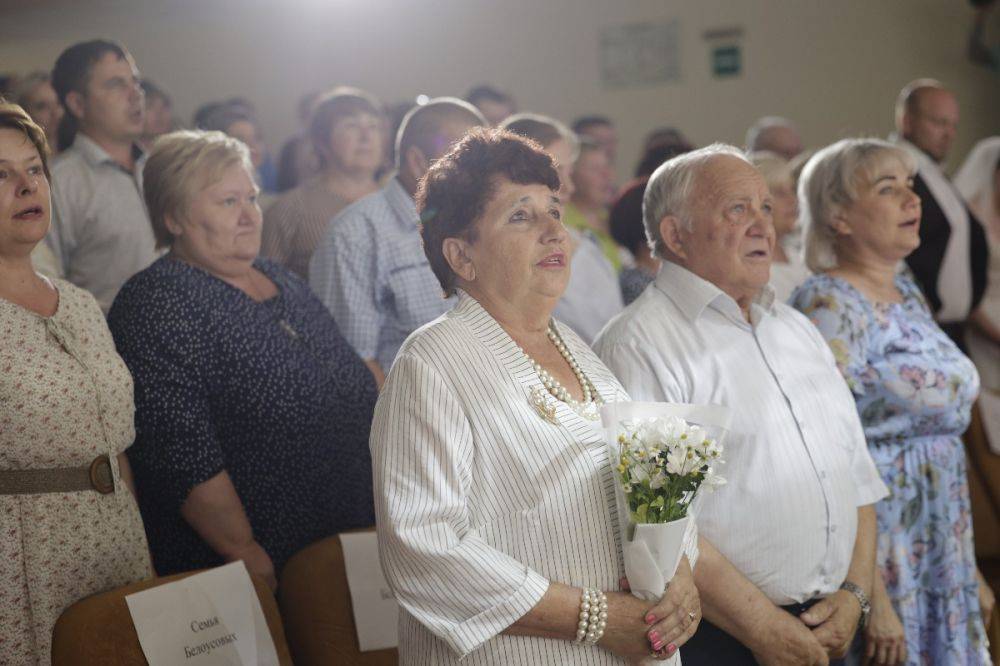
column 375, row 608
column 208, row 619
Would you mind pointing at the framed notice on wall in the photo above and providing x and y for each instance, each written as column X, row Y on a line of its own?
column 725, row 48
column 640, row 54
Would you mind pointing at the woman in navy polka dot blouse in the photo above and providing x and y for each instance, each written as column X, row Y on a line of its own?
column 252, row 412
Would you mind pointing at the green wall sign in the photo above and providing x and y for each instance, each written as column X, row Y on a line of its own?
column 727, row 61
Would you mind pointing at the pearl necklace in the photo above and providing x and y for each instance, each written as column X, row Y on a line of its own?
column 587, row 408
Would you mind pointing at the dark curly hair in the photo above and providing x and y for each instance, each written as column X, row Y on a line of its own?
column 455, row 191
column 625, row 218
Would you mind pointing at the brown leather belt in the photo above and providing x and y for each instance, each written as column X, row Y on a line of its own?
column 97, row 476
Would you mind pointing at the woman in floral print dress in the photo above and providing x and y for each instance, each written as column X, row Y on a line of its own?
column 914, row 390
column 65, row 400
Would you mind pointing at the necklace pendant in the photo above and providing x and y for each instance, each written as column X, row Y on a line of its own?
column 292, row 333
column 537, row 399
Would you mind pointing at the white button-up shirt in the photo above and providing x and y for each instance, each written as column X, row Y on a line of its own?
column 481, row 501
column 797, row 463
column 954, row 282
column 100, row 230
column 593, row 295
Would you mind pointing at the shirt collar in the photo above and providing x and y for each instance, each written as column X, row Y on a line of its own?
column 692, row 294
column 924, row 161
column 400, row 201
column 96, row 156
column 490, row 333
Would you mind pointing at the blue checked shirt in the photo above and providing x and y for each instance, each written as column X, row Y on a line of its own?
column 370, row 270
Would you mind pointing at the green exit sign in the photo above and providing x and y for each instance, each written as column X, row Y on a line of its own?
column 727, row 61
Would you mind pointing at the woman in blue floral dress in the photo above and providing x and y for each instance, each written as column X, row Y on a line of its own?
column 914, row 391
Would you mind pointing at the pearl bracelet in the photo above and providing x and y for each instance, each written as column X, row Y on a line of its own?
column 593, row 616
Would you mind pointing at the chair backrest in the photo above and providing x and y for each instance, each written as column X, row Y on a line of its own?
column 984, row 487
column 98, row 630
column 984, row 493
column 316, row 606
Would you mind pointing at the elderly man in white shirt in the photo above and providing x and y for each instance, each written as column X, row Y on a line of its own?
column 788, row 546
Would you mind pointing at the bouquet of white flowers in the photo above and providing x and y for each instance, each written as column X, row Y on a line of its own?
column 662, row 455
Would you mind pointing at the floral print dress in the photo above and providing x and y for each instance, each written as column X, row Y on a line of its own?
column 914, row 390
column 65, row 398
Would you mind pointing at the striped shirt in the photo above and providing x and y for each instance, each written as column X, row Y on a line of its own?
column 371, row 272
column 100, row 233
column 797, row 466
column 480, row 501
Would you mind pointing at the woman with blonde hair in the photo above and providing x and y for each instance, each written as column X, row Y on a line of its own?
column 252, row 411
column 914, row 390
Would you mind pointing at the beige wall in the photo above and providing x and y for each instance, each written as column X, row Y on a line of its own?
column 834, row 67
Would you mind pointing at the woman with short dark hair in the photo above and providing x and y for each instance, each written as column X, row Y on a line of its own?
column 629, row 231
column 496, row 527
column 347, row 130
column 592, row 296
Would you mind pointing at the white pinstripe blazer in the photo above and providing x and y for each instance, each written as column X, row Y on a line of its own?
column 480, row 501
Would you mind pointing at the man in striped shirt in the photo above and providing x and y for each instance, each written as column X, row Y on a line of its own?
column 370, row 269
column 788, row 545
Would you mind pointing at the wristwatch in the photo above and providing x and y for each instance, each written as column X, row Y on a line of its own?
column 859, row 594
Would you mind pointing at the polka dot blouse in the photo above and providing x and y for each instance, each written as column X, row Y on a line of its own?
column 269, row 392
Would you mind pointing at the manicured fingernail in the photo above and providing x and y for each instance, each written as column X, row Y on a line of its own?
column 658, row 645
column 654, row 637
column 671, row 648
column 650, row 619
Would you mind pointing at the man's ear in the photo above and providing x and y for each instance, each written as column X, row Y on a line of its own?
column 75, row 104
column 672, row 231
column 456, row 253
column 906, row 124
column 416, row 162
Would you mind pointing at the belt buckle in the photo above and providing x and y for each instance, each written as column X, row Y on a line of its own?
column 101, row 476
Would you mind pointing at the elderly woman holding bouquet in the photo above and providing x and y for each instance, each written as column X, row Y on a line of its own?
column 494, row 492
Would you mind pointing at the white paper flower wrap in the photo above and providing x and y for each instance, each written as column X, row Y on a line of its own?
column 652, row 551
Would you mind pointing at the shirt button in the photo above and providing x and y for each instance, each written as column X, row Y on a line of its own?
column 833, row 528
column 822, row 475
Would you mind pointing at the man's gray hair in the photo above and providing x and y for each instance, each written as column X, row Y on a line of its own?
column 669, row 189
column 761, row 126
column 832, row 180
